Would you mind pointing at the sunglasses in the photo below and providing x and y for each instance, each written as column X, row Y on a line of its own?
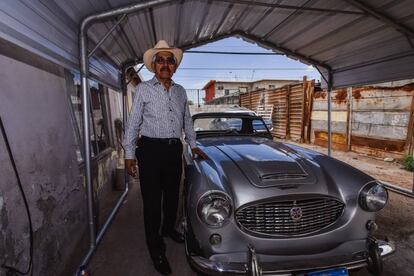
column 168, row 60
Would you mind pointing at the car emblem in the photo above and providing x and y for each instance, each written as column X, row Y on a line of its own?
column 296, row 213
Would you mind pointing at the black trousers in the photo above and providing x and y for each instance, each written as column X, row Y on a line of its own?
column 160, row 168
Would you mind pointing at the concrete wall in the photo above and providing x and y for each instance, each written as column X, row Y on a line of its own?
column 36, row 112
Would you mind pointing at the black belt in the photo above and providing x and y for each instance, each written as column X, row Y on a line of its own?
column 168, row 141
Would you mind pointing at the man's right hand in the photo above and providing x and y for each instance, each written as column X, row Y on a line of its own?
column 131, row 167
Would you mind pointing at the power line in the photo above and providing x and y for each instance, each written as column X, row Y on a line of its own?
column 244, row 69
column 234, row 53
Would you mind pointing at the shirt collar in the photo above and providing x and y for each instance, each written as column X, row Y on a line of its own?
column 155, row 81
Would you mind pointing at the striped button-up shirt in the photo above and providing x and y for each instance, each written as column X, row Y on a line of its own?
column 158, row 113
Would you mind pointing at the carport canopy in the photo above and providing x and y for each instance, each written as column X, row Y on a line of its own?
column 351, row 42
column 357, row 41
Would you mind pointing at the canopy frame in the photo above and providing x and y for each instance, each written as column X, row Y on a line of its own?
column 123, row 13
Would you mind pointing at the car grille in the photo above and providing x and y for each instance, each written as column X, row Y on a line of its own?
column 290, row 218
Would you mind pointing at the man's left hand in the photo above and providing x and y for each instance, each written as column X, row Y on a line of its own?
column 198, row 152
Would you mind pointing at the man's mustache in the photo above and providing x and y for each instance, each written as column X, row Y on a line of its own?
column 165, row 69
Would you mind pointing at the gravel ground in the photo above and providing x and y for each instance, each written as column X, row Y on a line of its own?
column 390, row 172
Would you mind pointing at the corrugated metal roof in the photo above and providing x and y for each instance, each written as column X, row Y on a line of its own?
column 361, row 41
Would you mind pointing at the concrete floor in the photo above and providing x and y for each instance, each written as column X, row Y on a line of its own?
column 123, row 251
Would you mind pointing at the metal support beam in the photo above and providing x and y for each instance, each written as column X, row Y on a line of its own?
column 284, row 50
column 330, row 81
column 289, row 7
column 108, row 33
column 382, row 17
column 86, row 130
column 320, row 72
column 121, row 28
column 204, row 41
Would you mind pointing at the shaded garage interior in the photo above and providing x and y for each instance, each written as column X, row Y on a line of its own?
column 351, row 42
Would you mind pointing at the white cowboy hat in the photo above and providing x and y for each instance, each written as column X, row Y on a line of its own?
column 161, row 46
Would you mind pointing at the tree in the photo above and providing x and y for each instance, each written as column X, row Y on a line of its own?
column 190, row 102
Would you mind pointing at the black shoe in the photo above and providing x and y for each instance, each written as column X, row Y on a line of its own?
column 161, row 264
column 175, row 236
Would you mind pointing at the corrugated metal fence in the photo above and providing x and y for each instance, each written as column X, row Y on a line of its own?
column 373, row 120
column 291, row 109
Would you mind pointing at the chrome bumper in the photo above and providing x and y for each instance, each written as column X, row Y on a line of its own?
column 253, row 267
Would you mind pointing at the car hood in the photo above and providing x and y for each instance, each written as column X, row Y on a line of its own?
column 254, row 168
column 266, row 163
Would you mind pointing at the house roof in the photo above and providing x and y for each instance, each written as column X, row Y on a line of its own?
column 359, row 42
column 208, row 84
column 211, row 82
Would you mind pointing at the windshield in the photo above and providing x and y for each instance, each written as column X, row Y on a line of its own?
column 230, row 126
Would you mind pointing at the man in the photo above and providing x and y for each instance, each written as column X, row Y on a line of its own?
column 159, row 115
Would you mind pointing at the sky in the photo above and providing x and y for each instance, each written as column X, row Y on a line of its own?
column 196, row 70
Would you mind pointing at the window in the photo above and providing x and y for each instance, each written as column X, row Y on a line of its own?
column 220, row 87
column 98, row 122
column 226, row 92
column 272, row 86
column 100, row 138
column 243, row 89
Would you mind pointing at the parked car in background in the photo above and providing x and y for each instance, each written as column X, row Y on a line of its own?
column 261, row 207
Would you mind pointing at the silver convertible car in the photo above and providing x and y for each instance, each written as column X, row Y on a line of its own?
column 261, row 207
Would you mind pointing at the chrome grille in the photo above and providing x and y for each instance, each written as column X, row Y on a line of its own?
column 275, row 218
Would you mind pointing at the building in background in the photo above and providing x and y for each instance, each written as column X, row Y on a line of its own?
column 216, row 88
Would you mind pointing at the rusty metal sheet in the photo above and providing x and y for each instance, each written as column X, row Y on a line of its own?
column 383, row 144
column 339, row 127
column 385, row 118
column 379, row 131
column 339, row 141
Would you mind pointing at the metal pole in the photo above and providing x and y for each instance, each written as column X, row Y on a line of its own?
column 86, row 136
column 329, row 112
column 106, row 35
column 198, row 97
column 119, row 11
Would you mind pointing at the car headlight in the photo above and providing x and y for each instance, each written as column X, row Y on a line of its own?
column 214, row 208
column 373, row 197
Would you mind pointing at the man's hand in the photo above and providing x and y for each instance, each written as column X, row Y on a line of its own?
column 131, row 167
column 198, row 152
